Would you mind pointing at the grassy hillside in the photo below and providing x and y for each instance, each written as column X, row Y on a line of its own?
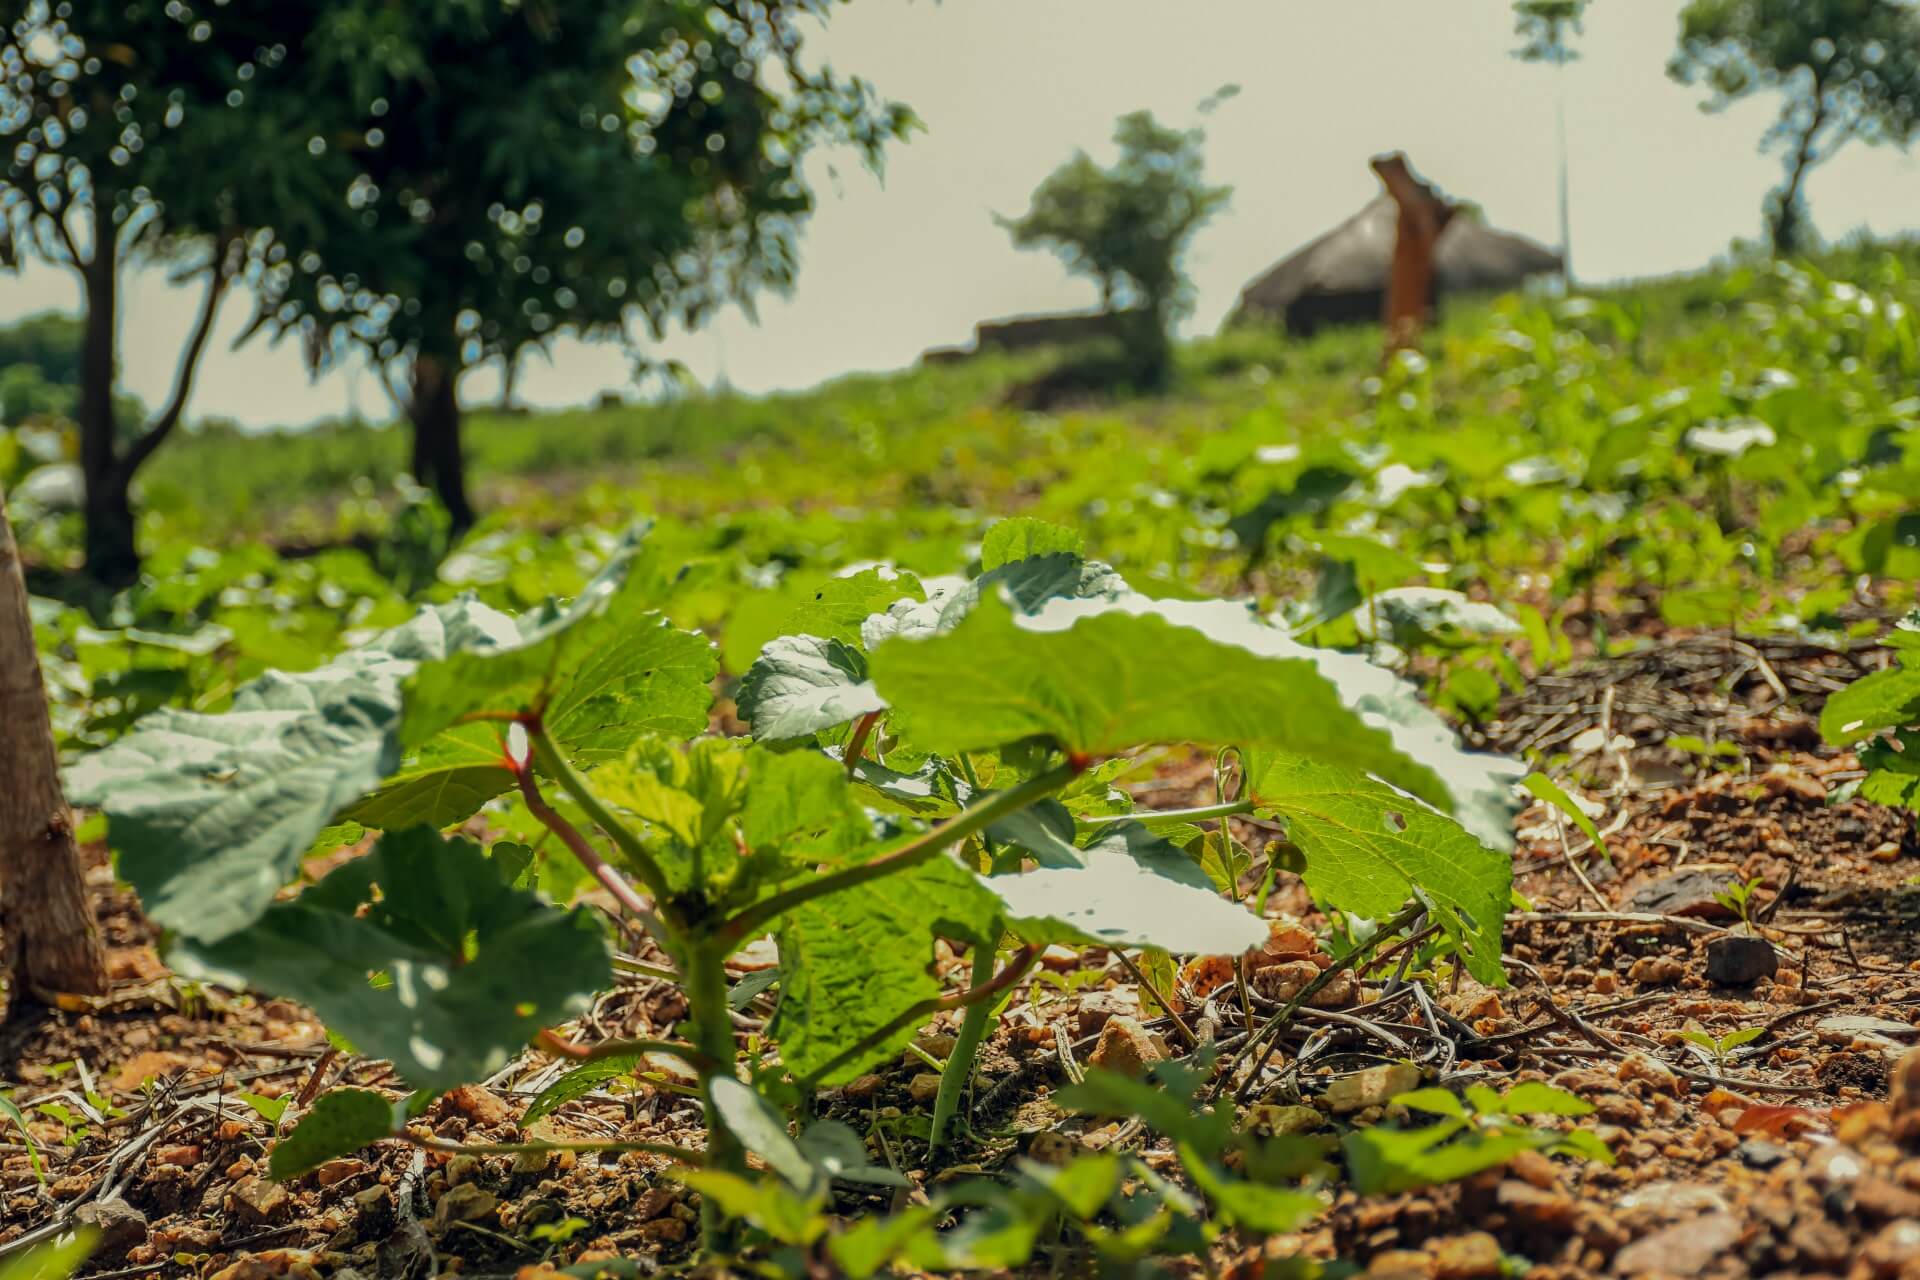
column 1726, row 447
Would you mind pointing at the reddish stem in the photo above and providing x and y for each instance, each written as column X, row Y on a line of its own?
column 857, row 745
column 616, row 884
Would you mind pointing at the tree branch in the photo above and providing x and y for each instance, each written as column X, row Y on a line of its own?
column 31, row 189
column 169, row 417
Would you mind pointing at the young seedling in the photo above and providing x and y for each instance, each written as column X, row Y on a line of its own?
column 1738, row 898
column 1720, row 1047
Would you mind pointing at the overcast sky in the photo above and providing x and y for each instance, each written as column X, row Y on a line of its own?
column 1008, row 88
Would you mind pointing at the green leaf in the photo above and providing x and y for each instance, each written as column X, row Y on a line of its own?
column 1384, row 1161
column 1370, row 847
column 1535, row 1099
column 1893, row 770
column 56, row 1260
column 1028, row 585
column 1083, row 1185
column 268, row 1109
column 868, row 1244
column 839, row 607
column 1547, row 789
column 603, row 669
column 1100, row 680
column 1106, row 1094
column 1023, row 537
column 1745, row 1035
column 474, row 968
column 1134, row 890
column 211, row 814
column 578, row 1083
column 11, row 1112
column 799, row 794
column 1045, row 830
column 1884, row 700
column 1430, row 617
column 836, row 1151
column 1584, row 1144
column 801, row 685
column 340, row 1123
column 1249, row 1205
column 767, row 1203
column 444, row 782
column 761, row 1130
column 687, row 793
column 1439, row 1102
column 854, row 960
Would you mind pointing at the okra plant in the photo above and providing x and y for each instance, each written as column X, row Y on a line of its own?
column 927, row 760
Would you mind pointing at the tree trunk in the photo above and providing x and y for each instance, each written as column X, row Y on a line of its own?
column 48, row 938
column 437, row 459
column 112, row 557
column 1786, row 208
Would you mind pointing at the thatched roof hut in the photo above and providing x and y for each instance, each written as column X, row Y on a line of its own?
column 1341, row 278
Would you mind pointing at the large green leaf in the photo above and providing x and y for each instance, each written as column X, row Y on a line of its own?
column 442, row 783
column 854, row 960
column 1893, row 774
column 1886, row 699
column 801, row 685
column 1100, row 677
column 842, row 604
column 603, row 672
column 1476, row 788
column 211, row 814
column 1369, row 847
column 1023, row 537
column 1134, row 890
column 470, row 968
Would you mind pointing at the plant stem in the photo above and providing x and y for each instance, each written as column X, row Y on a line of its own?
column 1269, row 1032
column 705, row 984
column 966, row 1049
column 1155, row 817
column 978, row 816
column 547, row 754
column 682, row 1154
column 1159, row 996
column 624, row 963
column 982, row 993
column 552, row 1043
column 858, row 743
column 583, row 850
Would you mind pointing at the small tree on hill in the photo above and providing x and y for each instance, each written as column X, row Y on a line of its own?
column 1546, row 29
column 1848, row 69
column 1127, row 227
column 505, row 171
column 137, row 131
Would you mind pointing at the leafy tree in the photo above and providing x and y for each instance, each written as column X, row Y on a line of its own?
column 1847, row 69
column 137, row 131
column 48, row 342
column 505, row 171
column 1545, row 29
column 1127, row 226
